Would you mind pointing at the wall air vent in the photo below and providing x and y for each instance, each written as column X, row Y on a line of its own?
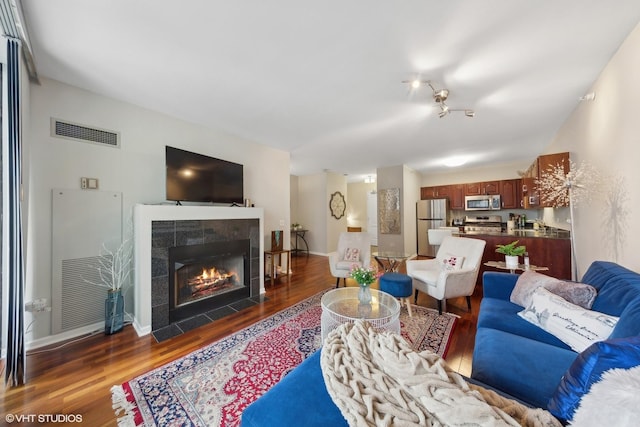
column 62, row 129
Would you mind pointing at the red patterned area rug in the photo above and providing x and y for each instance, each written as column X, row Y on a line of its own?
column 212, row 386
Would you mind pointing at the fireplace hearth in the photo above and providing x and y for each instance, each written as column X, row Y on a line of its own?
column 204, row 277
column 233, row 246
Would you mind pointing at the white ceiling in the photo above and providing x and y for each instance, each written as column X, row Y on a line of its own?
column 322, row 79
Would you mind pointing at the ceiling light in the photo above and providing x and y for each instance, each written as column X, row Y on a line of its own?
column 369, row 179
column 455, row 161
column 439, row 97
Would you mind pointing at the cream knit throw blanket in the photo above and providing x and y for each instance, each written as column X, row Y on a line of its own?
column 376, row 379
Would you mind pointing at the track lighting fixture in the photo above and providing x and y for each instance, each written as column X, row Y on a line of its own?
column 439, row 97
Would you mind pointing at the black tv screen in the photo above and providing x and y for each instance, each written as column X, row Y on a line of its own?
column 193, row 177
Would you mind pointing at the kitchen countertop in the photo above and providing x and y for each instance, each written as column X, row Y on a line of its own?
column 545, row 234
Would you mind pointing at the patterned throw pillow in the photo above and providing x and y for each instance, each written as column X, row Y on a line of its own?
column 573, row 325
column 352, row 254
column 452, row 262
column 576, row 293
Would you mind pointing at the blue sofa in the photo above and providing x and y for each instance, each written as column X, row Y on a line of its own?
column 511, row 356
column 519, row 358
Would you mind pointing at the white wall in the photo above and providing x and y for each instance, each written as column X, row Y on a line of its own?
column 294, row 199
column 357, row 193
column 312, row 190
column 464, row 174
column 605, row 134
column 137, row 169
column 411, row 194
column 335, row 182
column 408, row 181
column 314, row 193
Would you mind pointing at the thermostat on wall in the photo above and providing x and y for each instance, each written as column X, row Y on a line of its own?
column 89, row 183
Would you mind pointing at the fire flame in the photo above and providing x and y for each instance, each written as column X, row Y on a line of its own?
column 212, row 276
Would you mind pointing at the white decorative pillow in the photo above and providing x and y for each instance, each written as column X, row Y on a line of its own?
column 352, row 254
column 573, row 325
column 452, row 262
column 614, row 401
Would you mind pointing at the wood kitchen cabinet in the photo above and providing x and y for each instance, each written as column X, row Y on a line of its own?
column 456, row 196
column 543, row 252
column 482, row 188
column 532, row 195
column 436, row 192
column 454, row 192
column 546, row 164
column 510, row 194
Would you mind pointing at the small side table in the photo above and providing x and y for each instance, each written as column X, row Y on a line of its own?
column 273, row 273
column 390, row 261
column 299, row 234
column 501, row 265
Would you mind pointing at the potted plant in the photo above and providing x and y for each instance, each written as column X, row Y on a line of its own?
column 511, row 253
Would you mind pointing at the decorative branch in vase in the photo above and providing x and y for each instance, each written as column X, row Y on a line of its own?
column 559, row 189
column 113, row 269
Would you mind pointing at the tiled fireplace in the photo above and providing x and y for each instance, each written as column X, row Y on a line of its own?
column 191, row 260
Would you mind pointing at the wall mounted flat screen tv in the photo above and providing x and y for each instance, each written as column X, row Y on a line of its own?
column 193, row 177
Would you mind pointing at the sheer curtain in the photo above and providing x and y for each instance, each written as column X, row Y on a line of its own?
column 16, row 356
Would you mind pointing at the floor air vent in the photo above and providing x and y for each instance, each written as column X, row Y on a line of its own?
column 77, row 132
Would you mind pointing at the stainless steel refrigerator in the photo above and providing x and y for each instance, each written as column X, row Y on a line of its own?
column 430, row 214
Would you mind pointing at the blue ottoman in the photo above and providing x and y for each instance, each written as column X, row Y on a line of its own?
column 399, row 285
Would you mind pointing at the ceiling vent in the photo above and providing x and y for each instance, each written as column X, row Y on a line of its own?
column 82, row 133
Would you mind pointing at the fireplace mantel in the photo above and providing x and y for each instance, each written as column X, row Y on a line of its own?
column 143, row 216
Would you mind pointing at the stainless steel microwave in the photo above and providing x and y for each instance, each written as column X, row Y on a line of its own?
column 482, row 203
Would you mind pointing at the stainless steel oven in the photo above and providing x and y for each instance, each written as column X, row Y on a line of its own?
column 482, row 203
column 487, row 224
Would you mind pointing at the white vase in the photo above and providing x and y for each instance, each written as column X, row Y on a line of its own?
column 511, row 261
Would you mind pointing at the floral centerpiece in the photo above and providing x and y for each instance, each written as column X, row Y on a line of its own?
column 365, row 277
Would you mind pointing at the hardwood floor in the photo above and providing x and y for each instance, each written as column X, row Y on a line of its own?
column 75, row 378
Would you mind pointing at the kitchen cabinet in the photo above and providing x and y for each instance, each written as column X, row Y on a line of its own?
column 546, row 164
column 554, row 253
column 482, row 188
column 436, row 192
column 454, row 192
column 510, row 194
column 532, row 195
column 456, row 196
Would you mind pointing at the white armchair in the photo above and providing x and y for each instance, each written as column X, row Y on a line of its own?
column 431, row 277
column 353, row 248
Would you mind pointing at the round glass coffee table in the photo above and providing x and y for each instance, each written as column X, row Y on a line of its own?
column 342, row 306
